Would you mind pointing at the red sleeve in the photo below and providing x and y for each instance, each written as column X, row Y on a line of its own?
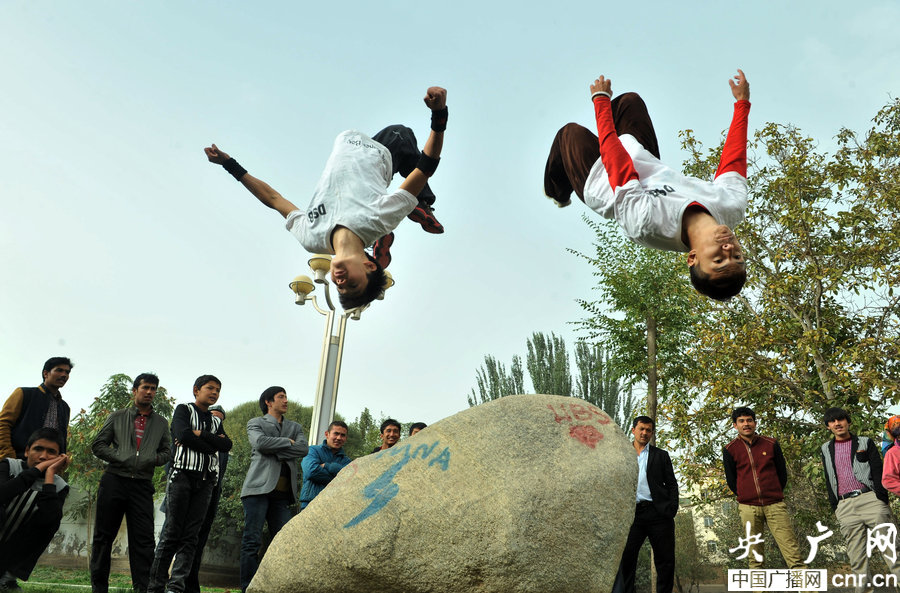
column 616, row 159
column 734, row 154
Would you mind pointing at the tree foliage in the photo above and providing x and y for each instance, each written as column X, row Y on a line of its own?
column 550, row 372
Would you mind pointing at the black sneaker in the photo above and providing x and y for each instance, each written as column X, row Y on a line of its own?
column 382, row 250
column 424, row 215
column 8, row 583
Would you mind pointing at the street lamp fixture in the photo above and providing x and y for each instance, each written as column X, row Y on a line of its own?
column 332, row 345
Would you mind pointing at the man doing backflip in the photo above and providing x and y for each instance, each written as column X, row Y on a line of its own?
column 619, row 175
column 350, row 210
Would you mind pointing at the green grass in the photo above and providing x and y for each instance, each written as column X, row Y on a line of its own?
column 47, row 579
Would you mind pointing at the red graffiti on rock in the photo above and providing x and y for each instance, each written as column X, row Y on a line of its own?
column 587, row 434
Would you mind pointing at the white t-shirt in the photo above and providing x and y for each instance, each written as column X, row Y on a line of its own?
column 650, row 209
column 351, row 193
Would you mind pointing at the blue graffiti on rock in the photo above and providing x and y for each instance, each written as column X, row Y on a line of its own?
column 383, row 488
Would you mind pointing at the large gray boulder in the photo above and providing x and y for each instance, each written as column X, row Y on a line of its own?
column 526, row 493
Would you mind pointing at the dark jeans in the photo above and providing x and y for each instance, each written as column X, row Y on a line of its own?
column 273, row 509
column 192, row 583
column 187, row 499
column 648, row 523
column 401, row 142
column 575, row 149
column 132, row 499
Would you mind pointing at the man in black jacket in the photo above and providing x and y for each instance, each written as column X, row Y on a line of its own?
column 654, row 513
column 31, row 500
column 133, row 441
column 199, row 438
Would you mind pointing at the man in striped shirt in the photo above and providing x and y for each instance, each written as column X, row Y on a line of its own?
column 853, row 468
column 31, row 500
column 199, row 437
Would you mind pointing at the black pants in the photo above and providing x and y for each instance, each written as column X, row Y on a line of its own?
column 648, row 523
column 192, row 582
column 401, row 142
column 575, row 149
column 20, row 551
column 187, row 500
column 132, row 499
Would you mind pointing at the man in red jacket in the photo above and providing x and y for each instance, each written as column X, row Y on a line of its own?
column 756, row 473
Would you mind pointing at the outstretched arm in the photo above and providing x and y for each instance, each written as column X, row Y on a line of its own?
column 734, row 153
column 436, row 100
column 616, row 160
column 259, row 188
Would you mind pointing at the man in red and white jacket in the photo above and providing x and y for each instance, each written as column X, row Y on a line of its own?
column 756, row 473
column 619, row 176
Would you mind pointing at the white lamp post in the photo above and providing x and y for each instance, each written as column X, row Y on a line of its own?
column 332, row 345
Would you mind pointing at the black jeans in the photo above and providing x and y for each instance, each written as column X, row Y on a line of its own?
column 192, row 583
column 187, row 500
column 648, row 523
column 132, row 499
column 401, row 142
column 20, row 552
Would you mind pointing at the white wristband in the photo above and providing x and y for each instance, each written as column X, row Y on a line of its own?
column 599, row 93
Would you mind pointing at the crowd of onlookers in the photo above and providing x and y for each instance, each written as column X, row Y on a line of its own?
column 135, row 441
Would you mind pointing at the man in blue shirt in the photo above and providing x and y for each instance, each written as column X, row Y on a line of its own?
column 323, row 462
column 654, row 513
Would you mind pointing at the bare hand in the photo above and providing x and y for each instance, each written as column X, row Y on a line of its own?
column 740, row 88
column 601, row 85
column 57, row 465
column 197, row 432
column 435, row 98
column 215, row 155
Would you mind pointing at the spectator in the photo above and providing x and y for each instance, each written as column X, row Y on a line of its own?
column 270, row 488
column 323, row 462
column 126, row 488
column 30, row 408
column 756, row 473
column 31, row 500
column 390, row 434
column 199, row 437
column 416, row 427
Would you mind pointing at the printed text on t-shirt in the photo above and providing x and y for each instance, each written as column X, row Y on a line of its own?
column 666, row 189
column 316, row 212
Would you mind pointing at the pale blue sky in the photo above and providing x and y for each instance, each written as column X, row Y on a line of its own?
column 124, row 249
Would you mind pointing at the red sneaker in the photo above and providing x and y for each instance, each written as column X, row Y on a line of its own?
column 382, row 250
column 424, row 215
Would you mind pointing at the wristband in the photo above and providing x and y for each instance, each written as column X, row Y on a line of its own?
column 233, row 167
column 427, row 164
column 439, row 120
column 601, row 93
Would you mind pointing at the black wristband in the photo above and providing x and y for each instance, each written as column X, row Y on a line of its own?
column 233, row 167
column 439, row 120
column 427, row 164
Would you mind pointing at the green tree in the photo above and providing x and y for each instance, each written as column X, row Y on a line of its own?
column 644, row 315
column 550, row 372
column 817, row 324
column 494, row 381
column 548, row 364
column 86, row 470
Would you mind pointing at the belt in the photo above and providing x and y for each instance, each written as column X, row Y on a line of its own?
column 855, row 493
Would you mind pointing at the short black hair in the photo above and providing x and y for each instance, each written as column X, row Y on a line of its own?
column 742, row 411
column 388, row 422
column 415, row 425
column 55, row 362
column 48, row 434
column 643, row 420
column 269, row 396
column 340, row 423
column 376, row 283
column 832, row 414
column 145, row 378
column 724, row 286
column 204, row 379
